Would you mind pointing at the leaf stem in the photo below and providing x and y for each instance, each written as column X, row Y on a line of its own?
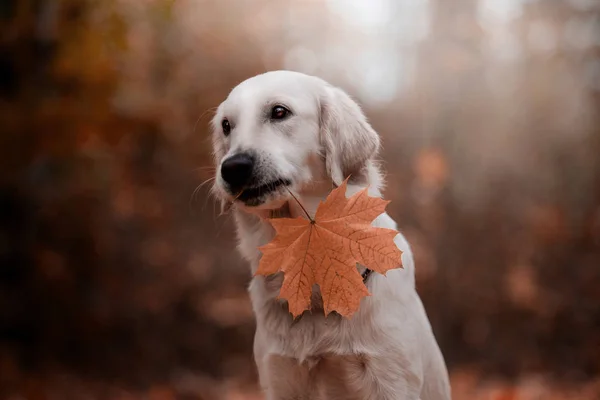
column 300, row 204
column 238, row 195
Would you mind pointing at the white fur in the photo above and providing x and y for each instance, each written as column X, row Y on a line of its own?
column 387, row 350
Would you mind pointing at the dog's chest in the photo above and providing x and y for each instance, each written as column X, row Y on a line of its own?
column 326, row 377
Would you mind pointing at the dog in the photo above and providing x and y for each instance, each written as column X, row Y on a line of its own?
column 285, row 132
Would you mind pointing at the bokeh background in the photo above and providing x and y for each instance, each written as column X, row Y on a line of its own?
column 119, row 281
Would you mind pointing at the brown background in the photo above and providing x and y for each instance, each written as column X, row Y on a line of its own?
column 119, row 281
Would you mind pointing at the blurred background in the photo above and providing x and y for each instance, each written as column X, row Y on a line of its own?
column 119, row 281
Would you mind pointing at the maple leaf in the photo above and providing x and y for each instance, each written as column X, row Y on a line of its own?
column 325, row 251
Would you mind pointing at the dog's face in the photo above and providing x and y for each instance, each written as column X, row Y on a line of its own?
column 285, row 131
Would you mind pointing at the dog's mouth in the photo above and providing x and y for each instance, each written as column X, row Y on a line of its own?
column 255, row 195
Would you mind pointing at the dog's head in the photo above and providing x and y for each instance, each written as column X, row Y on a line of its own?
column 286, row 129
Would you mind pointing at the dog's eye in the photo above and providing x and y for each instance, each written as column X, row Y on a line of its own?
column 226, row 127
column 279, row 112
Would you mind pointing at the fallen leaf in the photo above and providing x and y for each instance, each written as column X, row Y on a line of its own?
column 325, row 251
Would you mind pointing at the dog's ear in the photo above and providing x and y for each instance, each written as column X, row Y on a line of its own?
column 347, row 138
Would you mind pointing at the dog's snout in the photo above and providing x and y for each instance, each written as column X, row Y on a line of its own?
column 237, row 171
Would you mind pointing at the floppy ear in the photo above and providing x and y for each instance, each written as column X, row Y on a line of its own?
column 348, row 139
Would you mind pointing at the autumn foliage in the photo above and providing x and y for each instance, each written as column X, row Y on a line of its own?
column 325, row 251
column 116, row 282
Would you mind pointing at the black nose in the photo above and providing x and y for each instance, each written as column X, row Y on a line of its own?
column 237, row 171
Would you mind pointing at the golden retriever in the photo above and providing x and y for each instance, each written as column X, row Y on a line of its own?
column 283, row 132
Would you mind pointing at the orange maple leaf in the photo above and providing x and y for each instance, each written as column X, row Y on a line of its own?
column 325, row 251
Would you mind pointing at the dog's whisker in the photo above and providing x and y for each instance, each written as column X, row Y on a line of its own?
column 204, row 168
column 211, row 109
column 226, row 211
column 212, row 196
column 215, row 215
column 211, row 179
column 197, row 190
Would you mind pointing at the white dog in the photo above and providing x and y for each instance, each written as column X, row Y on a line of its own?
column 283, row 131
